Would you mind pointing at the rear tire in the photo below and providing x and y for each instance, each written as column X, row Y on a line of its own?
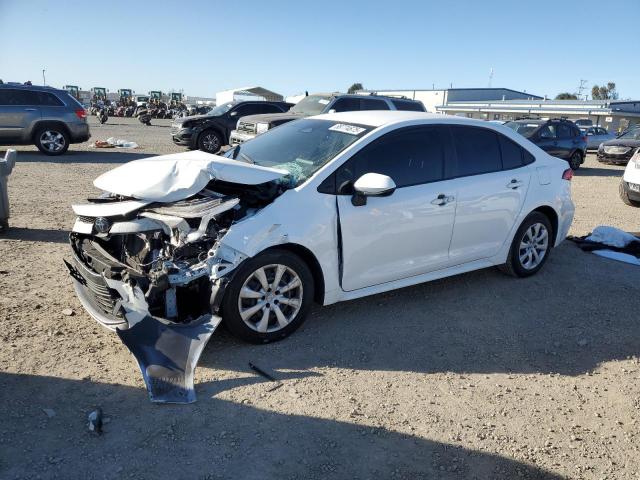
column 575, row 160
column 531, row 246
column 210, row 141
column 269, row 297
column 625, row 196
column 52, row 140
column 4, row 226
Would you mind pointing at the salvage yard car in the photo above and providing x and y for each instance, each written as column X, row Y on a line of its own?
column 630, row 183
column 558, row 137
column 329, row 208
column 49, row 118
column 250, row 126
column 210, row 132
column 620, row 150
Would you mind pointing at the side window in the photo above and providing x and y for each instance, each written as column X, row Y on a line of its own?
column 270, row 108
column 477, row 150
column 18, row 97
column 373, row 104
column 246, row 109
column 564, row 131
column 346, row 105
column 48, row 99
column 412, row 156
column 408, row 106
column 548, row 131
column 602, row 131
column 511, row 153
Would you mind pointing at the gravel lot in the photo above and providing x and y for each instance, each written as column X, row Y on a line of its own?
column 478, row 376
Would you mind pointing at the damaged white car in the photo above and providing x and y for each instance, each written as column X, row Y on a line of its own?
column 328, row 208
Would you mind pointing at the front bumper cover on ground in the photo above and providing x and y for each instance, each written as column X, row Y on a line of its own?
column 167, row 352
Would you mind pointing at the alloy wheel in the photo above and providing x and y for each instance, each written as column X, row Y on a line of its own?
column 211, row 142
column 270, row 298
column 52, row 141
column 533, row 246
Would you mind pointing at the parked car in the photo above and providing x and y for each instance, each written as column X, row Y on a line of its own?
column 583, row 122
column 250, row 126
column 558, row 137
column 328, row 208
column 211, row 131
column 595, row 136
column 630, row 183
column 49, row 118
column 620, row 150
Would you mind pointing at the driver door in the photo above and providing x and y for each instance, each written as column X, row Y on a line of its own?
column 408, row 232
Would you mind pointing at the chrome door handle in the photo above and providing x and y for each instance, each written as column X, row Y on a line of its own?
column 442, row 200
column 30, row 109
column 513, row 184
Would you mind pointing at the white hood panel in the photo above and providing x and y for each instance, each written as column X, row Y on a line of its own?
column 169, row 178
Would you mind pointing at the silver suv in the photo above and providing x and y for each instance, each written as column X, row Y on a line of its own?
column 50, row 119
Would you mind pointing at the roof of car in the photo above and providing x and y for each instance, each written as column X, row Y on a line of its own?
column 31, row 87
column 378, row 118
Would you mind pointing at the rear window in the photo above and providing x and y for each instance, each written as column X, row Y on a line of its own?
column 408, row 105
column 526, row 129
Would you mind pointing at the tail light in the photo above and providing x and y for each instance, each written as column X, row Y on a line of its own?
column 81, row 113
column 567, row 174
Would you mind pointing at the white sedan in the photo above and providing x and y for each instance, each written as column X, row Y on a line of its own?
column 328, row 208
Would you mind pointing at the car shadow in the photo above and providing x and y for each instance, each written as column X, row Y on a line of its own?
column 97, row 156
column 214, row 438
column 35, row 235
column 479, row 322
column 599, row 172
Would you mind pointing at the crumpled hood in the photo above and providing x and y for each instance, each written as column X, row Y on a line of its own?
column 622, row 142
column 169, row 178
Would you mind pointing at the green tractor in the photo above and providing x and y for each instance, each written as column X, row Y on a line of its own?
column 73, row 90
column 125, row 94
column 98, row 93
column 155, row 95
column 176, row 97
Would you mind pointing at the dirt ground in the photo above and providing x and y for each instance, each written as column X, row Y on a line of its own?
column 479, row 376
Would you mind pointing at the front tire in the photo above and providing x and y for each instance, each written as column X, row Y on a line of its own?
column 269, row 297
column 52, row 140
column 624, row 196
column 575, row 160
column 209, row 141
column 531, row 246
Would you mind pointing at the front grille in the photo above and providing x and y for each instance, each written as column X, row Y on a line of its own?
column 102, row 296
column 85, row 219
column 246, row 127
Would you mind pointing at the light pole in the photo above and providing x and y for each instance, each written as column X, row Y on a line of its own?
column 44, row 80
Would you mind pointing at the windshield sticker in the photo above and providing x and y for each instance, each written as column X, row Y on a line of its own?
column 323, row 101
column 350, row 129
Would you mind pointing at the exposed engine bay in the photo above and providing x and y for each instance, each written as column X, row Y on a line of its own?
column 155, row 271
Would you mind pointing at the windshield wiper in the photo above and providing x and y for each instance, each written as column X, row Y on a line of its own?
column 247, row 158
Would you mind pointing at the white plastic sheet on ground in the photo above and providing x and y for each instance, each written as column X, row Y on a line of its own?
column 614, row 237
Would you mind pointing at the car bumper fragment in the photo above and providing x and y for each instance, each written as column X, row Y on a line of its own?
column 167, row 354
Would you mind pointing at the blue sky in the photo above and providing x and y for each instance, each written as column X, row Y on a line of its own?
column 543, row 47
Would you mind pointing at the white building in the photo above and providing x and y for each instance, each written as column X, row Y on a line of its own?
column 247, row 93
column 614, row 115
column 435, row 98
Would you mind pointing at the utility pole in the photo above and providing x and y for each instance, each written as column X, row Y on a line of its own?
column 44, row 80
column 581, row 88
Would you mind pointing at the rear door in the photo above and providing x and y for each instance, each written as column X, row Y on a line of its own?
column 548, row 139
column 568, row 139
column 408, row 232
column 491, row 188
column 18, row 110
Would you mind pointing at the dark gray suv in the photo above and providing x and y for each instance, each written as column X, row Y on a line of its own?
column 49, row 118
